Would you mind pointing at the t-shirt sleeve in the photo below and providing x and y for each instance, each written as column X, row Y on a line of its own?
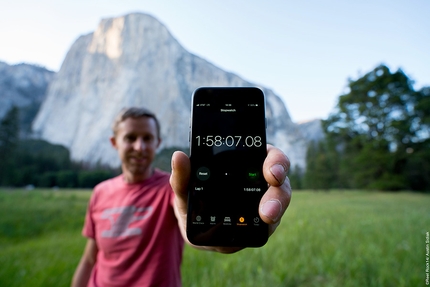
column 89, row 228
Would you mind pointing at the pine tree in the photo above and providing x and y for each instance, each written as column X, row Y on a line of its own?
column 9, row 137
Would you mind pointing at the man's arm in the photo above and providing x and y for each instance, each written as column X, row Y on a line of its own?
column 86, row 264
column 273, row 204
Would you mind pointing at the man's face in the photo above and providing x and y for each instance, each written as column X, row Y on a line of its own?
column 136, row 141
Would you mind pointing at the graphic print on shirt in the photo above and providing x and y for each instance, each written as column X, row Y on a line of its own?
column 121, row 218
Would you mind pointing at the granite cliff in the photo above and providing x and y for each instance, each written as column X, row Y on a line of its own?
column 23, row 86
column 134, row 60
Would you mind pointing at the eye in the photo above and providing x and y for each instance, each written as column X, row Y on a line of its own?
column 130, row 138
column 148, row 138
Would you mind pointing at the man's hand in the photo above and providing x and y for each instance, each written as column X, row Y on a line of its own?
column 273, row 204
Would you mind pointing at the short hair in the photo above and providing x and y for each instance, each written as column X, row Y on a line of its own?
column 134, row 112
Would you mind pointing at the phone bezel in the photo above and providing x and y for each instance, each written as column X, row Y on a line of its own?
column 255, row 237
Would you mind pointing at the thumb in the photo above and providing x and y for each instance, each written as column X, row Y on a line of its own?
column 179, row 180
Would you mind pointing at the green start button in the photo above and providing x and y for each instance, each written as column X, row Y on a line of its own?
column 253, row 175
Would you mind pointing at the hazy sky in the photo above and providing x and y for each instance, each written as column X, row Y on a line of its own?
column 304, row 50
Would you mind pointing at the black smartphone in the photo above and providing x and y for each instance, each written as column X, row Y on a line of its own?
column 227, row 151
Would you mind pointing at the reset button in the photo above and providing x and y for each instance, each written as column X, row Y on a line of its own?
column 203, row 173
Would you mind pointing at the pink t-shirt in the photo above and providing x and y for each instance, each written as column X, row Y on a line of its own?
column 137, row 233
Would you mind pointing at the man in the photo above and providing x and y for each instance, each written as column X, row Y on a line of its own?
column 135, row 224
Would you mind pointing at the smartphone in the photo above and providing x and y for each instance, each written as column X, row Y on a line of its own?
column 227, row 151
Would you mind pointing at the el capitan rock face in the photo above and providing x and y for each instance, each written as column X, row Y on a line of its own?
column 134, row 61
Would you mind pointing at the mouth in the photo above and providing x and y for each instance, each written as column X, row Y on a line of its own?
column 138, row 159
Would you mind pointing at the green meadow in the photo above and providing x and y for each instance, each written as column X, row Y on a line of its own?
column 336, row 238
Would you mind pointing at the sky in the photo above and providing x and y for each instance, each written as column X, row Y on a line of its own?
column 305, row 51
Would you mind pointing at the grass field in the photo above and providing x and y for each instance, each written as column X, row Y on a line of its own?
column 325, row 239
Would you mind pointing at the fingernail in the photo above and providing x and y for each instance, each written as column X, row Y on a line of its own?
column 272, row 209
column 278, row 172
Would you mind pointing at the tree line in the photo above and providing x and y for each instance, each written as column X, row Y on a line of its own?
column 37, row 163
column 377, row 138
column 32, row 162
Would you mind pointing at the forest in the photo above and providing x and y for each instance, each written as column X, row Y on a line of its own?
column 376, row 138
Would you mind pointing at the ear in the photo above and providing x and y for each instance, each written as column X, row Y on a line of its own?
column 113, row 142
column 159, row 142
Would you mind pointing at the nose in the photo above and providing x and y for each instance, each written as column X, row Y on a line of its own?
column 139, row 144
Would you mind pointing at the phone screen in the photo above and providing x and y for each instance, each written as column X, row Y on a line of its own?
column 227, row 151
